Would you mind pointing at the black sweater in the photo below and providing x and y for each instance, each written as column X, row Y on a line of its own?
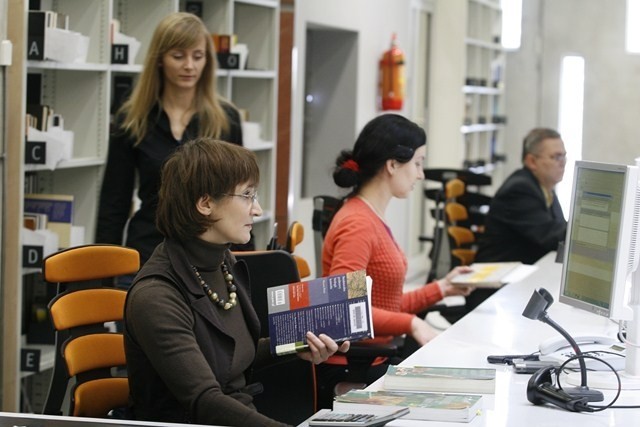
column 127, row 163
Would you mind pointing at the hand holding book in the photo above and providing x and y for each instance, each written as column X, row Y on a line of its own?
column 337, row 306
column 448, row 284
column 322, row 347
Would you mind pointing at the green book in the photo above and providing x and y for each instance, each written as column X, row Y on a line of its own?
column 440, row 379
column 422, row 406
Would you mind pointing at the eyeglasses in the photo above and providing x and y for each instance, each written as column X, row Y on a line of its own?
column 557, row 157
column 249, row 197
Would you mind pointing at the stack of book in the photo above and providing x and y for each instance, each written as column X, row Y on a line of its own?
column 440, row 379
column 422, row 406
column 431, row 393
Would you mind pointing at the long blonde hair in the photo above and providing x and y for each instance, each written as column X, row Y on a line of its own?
column 178, row 30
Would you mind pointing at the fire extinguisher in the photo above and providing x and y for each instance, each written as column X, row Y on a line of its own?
column 392, row 77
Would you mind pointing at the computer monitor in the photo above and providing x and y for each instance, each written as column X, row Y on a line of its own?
column 600, row 269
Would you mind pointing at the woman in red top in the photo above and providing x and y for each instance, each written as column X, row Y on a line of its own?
column 387, row 161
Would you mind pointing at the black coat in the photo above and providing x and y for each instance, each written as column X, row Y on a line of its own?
column 180, row 348
column 519, row 225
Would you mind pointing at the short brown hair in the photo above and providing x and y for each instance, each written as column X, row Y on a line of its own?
column 199, row 168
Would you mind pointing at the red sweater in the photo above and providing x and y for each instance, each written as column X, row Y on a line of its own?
column 358, row 239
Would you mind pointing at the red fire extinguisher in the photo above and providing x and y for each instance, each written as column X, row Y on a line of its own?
column 392, row 77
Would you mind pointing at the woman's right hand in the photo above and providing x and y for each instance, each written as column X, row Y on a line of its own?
column 421, row 331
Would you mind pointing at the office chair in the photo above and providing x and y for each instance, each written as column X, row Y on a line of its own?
column 291, row 401
column 324, row 208
column 295, row 235
column 454, row 188
column 86, row 355
column 461, row 241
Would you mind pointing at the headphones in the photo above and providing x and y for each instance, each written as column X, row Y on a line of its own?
column 540, row 390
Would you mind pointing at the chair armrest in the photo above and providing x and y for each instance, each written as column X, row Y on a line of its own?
column 363, row 349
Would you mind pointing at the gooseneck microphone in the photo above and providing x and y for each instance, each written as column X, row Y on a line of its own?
column 536, row 309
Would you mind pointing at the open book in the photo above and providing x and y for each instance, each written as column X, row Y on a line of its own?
column 487, row 274
column 338, row 306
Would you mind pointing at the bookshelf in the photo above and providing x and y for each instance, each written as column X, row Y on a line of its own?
column 82, row 93
column 484, row 118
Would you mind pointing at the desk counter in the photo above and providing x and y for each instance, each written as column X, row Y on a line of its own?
column 498, row 327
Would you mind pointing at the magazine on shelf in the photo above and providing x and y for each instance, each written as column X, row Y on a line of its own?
column 422, row 406
column 440, row 379
column 338, row 305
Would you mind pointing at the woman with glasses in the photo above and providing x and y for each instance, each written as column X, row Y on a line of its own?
column 174, row 100
column 191, row 333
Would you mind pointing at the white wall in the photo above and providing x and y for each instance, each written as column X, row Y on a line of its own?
column 595, row 30
column 375, row 21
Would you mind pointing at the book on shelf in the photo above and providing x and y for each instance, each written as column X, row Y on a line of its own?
column 440, row 379
column 59, row 211
column 35, row 221
column 40, row 116
column 487, row 274
column 422, row 406
column 338, row 305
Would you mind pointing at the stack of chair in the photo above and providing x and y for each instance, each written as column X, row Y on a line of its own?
column 462, row 239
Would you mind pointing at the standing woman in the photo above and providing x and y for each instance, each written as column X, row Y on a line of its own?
column 175, row 100
column 386, row 162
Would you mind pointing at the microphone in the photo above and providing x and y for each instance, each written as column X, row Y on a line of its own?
column 536, row 309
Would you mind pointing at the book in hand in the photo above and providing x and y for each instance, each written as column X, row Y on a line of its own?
column 486, row 274
column 440, row 379
column 338, row 306
column 422, row 406
column 337, row 418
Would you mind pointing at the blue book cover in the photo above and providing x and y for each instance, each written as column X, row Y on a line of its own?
column 339, row 306
column 59, row 211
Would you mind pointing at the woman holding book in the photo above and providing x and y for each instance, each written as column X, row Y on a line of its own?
column 174, row 100
column 386, row 162
column 191, row 333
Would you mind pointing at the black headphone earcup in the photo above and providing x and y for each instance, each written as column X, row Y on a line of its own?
column 542, row 376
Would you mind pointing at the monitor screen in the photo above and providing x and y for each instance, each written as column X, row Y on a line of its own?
column 599, row 245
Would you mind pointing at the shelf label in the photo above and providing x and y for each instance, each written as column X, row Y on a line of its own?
column 30, row 360
column 35, row 153
column 32, row 256
column 119, row 54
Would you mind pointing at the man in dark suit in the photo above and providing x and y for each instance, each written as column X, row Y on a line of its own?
column 525, row 220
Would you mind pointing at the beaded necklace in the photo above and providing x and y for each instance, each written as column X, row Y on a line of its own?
column 213, row 296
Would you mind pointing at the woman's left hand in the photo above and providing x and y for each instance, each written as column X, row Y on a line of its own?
column 450, row 290
column 322, row 347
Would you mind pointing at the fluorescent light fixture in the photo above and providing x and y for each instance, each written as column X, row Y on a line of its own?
column 570, row 121
column 632, row 35
column 511, row 23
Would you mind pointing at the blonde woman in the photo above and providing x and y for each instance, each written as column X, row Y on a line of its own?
column 175, row 100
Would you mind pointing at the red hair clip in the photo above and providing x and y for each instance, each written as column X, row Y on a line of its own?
column 351, row 165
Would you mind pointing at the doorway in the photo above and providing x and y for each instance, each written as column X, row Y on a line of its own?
column 329, row 105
